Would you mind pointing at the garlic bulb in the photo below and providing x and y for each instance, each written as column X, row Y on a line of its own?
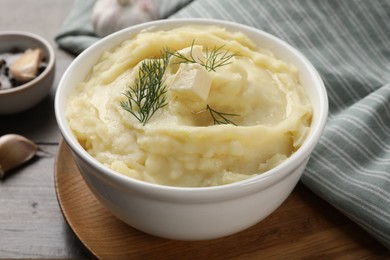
column 109, row 16
column 14, row 151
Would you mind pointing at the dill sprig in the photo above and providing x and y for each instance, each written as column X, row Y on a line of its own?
column 219, row 117
column 147, row 94
column 217, row 58
column 214, row 58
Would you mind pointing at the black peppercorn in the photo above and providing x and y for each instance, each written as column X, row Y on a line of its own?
column 2, row 63
column 41, row 69
column 13, row 82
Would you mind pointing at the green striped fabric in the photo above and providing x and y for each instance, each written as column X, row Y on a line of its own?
column 349, row 43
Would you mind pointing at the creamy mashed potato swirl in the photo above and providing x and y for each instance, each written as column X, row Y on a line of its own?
column 181, row 145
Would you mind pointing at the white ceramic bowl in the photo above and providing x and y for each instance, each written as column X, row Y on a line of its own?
column 193, row 213
column 25, row 96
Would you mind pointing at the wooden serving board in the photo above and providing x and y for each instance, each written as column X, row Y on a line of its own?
column 303, row 226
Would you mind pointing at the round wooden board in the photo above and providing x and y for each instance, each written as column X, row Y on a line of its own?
column 304, row 226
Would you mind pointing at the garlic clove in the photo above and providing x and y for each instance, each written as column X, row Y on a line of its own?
column 25, row 68
column 14, row 151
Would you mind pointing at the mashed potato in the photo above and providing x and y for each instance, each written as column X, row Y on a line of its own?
column 218, row 124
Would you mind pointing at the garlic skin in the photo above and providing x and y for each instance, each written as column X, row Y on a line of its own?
column 14, row 151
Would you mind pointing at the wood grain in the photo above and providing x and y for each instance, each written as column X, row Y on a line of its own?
column 304, row 226
column 31, row 223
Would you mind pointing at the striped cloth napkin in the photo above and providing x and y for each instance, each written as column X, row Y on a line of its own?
column 349, row 44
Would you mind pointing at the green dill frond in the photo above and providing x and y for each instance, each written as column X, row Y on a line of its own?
column 220, row 118
column 214, row 58
column 147, row 94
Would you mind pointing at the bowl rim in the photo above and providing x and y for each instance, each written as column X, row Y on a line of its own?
column 247, row 185
column 44, row 74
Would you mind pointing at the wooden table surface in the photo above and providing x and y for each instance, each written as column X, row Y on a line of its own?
column 31, row 222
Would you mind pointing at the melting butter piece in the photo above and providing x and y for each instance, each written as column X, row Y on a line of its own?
column 192, row 81
column 25, row 68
